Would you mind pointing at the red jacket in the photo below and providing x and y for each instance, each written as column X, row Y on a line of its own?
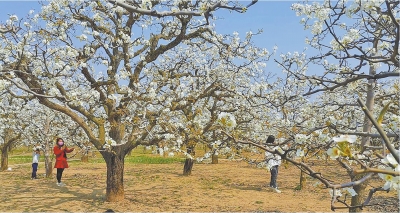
column 61, row 157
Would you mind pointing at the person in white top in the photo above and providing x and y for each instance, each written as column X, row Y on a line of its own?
column 273, row 161
column 35, row 162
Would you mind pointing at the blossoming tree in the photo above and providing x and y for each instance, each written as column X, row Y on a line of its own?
column 350, row 114
column 100, row 63
column 358, row 44
column 11, row 127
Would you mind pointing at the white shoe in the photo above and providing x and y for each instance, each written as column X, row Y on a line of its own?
column 60, row 184
column 277, row 190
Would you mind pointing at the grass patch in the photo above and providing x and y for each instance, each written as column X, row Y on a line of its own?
column 144, row 159
column 140, row 159
column 21, row 159
column 139, row 155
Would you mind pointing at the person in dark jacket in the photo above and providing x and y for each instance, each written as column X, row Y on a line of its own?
column 273, row 162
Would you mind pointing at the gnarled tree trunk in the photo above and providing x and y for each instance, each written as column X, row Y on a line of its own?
column 115, row 159
column 115, row 175
column 9, row 140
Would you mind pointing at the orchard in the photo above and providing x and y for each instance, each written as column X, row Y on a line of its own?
column 113, row 76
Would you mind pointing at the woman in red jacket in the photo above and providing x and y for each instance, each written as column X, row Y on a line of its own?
column 60, row 151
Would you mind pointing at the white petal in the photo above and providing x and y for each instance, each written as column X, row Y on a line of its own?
column 338, row 139
column 352, row 192
column 387, row 185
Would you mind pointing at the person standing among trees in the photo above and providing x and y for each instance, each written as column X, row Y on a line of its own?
column 60, row 150
column 35, row 162
column 273, row 161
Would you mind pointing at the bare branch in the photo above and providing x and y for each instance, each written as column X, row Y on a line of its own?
column 380, row 130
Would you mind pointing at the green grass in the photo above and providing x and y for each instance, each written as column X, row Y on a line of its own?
column 21, row 159
column 144, row 159
column 141, row 159
column 137, row 156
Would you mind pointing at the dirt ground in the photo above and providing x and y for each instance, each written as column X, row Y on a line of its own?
column 227, row 186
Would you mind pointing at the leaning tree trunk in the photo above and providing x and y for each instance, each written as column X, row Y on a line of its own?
column 115, row 175
column 361, row 189
column 4, row 158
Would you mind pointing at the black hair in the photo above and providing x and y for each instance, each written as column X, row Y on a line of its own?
column 270, row 139
column 58, row 139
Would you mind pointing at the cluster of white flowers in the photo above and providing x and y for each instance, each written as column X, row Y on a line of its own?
column 301, row 138
column 343, row 149
column 226, row 120
column 391, row 182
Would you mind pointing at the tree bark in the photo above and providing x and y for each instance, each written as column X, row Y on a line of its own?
column 370, row 102
column 303, row 180
column 48, row 164
column 214, row 159
column 115, row 175
column 4, row 158
column 361, row 195
column 85, row 158
column 187, row 168
column 9, row 140
column 48, row 151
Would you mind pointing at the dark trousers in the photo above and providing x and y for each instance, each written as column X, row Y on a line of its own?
column 34, row 169
column 274, row 176
column 59, row 174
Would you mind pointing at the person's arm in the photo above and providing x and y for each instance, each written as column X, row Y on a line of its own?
column 69, row 150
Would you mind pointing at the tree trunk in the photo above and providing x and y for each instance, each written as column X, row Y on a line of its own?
column 48, row 164
column 361, row 195
column 361, row 189
column 9, row 139
column 4, row 158
column 214, row 159
column 187, row 168
column 303, row 180
column 115, row 176
column 48, row 151
column 85, row 158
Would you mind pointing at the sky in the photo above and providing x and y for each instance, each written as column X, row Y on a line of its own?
column 279, row 23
